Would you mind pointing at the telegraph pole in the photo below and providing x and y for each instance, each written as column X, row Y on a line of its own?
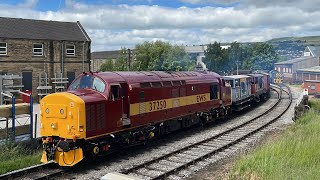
column 129, row 59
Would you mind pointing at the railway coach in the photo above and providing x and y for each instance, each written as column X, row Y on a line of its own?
column 104, row 111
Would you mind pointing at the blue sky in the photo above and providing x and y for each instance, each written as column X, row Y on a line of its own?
column 55, row 5
column 113, row 24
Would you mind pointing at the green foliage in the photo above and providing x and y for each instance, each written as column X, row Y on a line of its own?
column 107, row 66
column 259, row 56
column 294, row 155
column 263, row 56
column 161, row 56
column 13, row 157
column 121, row 63
column 216, row 58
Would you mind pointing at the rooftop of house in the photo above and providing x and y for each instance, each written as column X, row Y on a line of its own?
column 311, row 69
column 315, row 50
column 17, row 28
column 106, row 54
column 296, row 60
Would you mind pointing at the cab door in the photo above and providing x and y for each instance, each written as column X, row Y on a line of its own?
column 125, row 104
column 114, row 107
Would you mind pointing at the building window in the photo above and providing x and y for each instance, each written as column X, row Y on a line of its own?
column 38, row 49
column 313, row 87
column 70, row 50
column 3, row 48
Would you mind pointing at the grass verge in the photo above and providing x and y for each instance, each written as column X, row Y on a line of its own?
column 13, row 157
column 293, row 155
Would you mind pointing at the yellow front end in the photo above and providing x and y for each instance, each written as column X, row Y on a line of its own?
column 62, row 117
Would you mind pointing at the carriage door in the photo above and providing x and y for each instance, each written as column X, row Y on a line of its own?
column 125, row 104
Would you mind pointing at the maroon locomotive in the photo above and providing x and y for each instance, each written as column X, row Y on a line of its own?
column 110, row 110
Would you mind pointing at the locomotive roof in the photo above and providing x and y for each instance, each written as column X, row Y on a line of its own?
column 236, row 77
column 256, row 75
column 133, row 77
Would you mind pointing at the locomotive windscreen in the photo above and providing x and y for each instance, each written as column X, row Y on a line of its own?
column 88, row 81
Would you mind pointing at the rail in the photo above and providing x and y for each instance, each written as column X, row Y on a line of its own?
column 135, row 169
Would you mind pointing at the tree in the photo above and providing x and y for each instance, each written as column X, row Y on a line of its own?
column 120, row 63
column 263, row 57
column 161, row 56
column 107, row 66
column 235, row 57
column 215, row 58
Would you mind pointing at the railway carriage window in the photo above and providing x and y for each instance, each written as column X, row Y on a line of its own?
column 260, row 81
column 214, row 90
column 230, row 82
column 167, row 83
column 98, row 85
column 243, row 87
column 156, row 84
column 223, row 82
column 114, row 92
column 145, row 85
column 183, row 82
column 237, row 83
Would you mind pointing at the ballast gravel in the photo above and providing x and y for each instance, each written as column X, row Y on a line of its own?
column 182, row 139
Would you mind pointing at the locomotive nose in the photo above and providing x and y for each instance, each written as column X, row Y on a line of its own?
column 62, row 115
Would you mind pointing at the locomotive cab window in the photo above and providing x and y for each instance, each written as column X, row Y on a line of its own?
column 98, row 85
column 88, row 82
column 214, row 90
column 114, row 92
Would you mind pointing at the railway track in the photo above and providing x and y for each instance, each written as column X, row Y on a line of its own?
column 171, row 163
column 40, row 171
column 158, row 169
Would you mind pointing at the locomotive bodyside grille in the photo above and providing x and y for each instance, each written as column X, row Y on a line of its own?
column 95, row 116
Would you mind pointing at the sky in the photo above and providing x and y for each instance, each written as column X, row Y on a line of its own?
column 115, row 24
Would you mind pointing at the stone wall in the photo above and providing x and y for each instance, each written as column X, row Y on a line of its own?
column 20, row 58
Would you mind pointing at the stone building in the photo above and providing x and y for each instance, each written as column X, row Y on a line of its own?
column 100, row 57
column 290, row 68
column 38, row 48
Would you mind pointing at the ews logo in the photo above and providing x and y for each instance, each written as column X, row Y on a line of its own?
column 201, row 98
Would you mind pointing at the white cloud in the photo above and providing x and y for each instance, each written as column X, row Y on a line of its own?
column 210, row 1
column 28, row 4
column 116, row 26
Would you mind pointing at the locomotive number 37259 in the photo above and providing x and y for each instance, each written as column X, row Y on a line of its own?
column 157, row 105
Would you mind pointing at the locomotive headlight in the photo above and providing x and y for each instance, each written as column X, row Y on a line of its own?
column 61, row 111
column 53, row 125
column 47, row 111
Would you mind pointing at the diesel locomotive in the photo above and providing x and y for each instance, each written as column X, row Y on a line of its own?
column 105, row 111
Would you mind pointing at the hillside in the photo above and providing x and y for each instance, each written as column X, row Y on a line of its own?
column 308, row 40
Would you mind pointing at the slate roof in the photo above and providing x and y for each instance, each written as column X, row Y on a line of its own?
column 311, row 69
column 17, row 28
column 295, row 60
column 105, row 54
column 315, row 50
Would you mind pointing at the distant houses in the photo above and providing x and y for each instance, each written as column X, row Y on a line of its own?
column 302, row 68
